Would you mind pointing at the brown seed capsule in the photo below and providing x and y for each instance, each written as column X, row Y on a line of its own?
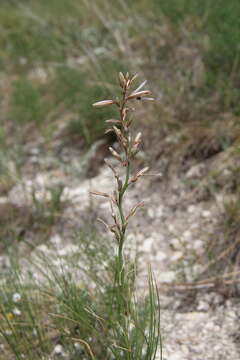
column 115, row 154
column 99, row 193
column 113, row 121
column 140, row 86
column 117, row 132
column 138, row 139
column 133, row 78
column 122, row 80
column 135, row 95
column 142, row 172
column 134, row 209
column 104, row 103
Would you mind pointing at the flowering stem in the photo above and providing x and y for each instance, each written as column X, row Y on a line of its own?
column 129, row 149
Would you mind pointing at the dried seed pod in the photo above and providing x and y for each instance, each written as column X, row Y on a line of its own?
column 108, row 131
column 104, row 103
column 113, row 121
column 115, row 154
column 133, row 152
column 140, row 86
column 133, row 78
column 135, row 95
column 122, row 80
column 134, row 209
column 117, row 132
column 99, row 193
column 148, row 99
column 138, row 175
column 138, row 139
column 142, row 172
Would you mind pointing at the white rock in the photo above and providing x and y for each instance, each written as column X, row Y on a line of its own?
column 177, row 256
column 159, row 212
column 151, row 213
column 39, row 74
column 185, row 349
column 195, row 171
column 192, row 317
column 105, row 205
column 43, row 248
column 187, row 235
column 34, row 151
column 175, row 356
column 217, row 348
column 68, row 250
column 160, row 256
column 203, row 306
column 217, row 299
column 175, row 243
column 231, row 314
column 3, row 199
column 191, row 209
column 171, row 228
column 197, row 269
column 34, row 160
column 56, row 239
column 206, row 213
column 198, row 245
column 22, row 60
column 147, row 244
column 167, row 276
column 8, row 332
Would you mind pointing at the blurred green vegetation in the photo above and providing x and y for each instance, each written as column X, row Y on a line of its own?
column 81, row 47
column 219, row 19
column 27, row 102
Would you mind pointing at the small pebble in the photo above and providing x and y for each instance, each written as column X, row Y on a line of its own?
column 206, row 213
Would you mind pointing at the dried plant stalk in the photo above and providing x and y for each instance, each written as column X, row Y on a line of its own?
column 129, row 149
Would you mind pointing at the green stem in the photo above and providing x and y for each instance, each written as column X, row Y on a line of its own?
column 120, row 267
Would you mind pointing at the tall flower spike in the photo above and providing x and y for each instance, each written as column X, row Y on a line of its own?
column 122, row 295
column 129, row 148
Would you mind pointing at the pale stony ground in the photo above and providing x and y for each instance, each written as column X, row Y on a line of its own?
column 169, row 233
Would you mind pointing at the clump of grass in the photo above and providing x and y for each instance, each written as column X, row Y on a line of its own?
column 22, row 314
